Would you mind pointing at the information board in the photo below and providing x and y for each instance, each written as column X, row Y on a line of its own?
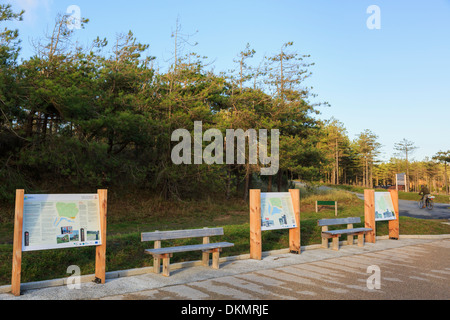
column 277, row 211
column 52, row 221
column 400, row 181
column 384, row 207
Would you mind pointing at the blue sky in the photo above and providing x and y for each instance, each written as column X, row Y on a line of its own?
column 394, row 80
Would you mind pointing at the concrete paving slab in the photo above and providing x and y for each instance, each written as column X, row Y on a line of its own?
column 314, row 274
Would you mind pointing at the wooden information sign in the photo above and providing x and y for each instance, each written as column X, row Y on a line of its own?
column 55, row 221
column 370, row 215
column 289, row 219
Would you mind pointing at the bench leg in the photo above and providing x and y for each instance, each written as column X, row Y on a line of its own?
column 205, row 258
column 349, row 236
column 156, row 259
column 325, row 243
column 361, row 240
column 205, row 254
column 324, row 239
column 156, row 265
column 166, row 263
column 350, row 240
column 336, row 243
column 215, row 258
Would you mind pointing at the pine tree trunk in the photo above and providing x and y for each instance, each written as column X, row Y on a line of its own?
column 247, row 181
column 269, row 184
column 280, row 177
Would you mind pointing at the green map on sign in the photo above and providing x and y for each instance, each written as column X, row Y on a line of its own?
column 276, row 202
column 67, row 211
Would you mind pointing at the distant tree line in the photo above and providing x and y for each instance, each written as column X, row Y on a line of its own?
column 356, row 162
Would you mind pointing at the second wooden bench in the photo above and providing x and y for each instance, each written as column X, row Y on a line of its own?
column 335, row 234
column 165, row 254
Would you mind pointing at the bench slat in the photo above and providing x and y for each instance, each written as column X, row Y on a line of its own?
column 347, row 231
column 180, row 234
column 331, row 222
column 194, row 247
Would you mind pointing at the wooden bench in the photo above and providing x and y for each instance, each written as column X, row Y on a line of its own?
column 335, row 234
column 165, row 254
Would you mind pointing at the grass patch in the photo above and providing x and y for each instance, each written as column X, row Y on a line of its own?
column 127, row 218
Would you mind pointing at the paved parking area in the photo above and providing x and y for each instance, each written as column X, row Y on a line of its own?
column 410, row 272
column 406, row 269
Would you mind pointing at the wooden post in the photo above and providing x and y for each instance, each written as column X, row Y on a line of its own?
column 17, row 247
column 316, row 206
column 369, row 214
column 255, row 224
column 166, row 263
column 215, row 258
column 324, row 239
column 350, row 236
column 335, row 245
column 394, row 224
column 361, row 240
column 294, row 233
column 205, row 254
column 335, row 208
column 156, row 261
column 100, row 251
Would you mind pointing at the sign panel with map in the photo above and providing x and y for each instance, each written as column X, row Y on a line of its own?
column 277, row 211
column 52, row 221
column 384, row 207
column 400, row 181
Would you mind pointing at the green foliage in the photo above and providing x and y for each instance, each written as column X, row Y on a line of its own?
column 83, row 119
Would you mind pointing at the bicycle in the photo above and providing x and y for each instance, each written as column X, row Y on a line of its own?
column 429, row 203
